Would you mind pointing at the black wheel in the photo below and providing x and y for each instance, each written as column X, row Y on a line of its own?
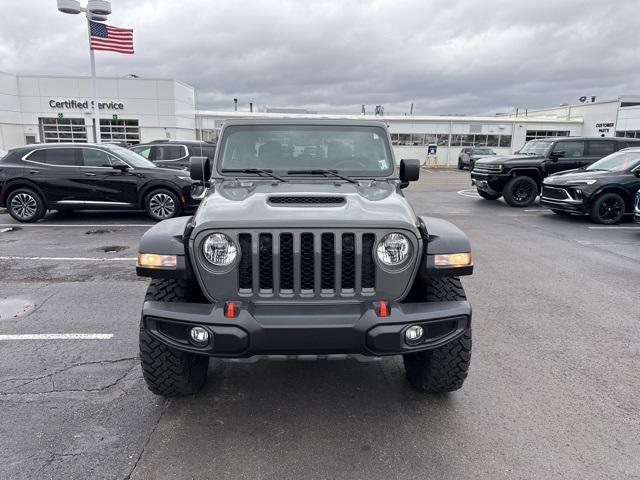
column 460, row 165
column 167, row 371
column 520, row 191
column 489, row 196
column 607, row 209
column 471, row 163
column 25, row 205
column 442, row 369
column 561, row 212
column 162, row 204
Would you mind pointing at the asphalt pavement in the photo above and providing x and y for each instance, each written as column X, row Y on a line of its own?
column 553, row 390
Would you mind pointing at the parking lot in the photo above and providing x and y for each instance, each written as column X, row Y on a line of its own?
column 552, row 391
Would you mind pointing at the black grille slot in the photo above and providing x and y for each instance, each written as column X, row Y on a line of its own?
column 327, row 261
column 348, row 261
column 245, row 272
column 368, row 267
column 306, row 261
column 265, row 253
column 555, row 193
column 286, row 261
column 306, row 200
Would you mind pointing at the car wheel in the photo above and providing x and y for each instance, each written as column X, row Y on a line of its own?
column 443, row 369
column 471, row 162
column 520, row 191
column 460, row 165
column 25, row 205
column 162, row 204
column 489, row 196
column 166, row 371
column 607, row 209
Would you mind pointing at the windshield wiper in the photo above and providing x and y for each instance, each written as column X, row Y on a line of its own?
column 258, row 171
column 333, row 173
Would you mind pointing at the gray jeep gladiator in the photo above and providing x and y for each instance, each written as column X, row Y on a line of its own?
column 304, row 246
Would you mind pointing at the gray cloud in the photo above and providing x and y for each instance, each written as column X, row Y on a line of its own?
column 444, row 56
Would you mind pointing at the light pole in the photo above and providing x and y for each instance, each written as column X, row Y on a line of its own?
column 97, row 11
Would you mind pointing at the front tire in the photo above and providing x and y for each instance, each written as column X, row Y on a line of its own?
column 607, row 209
column 162, row 204
column 520, row 191
column 460, row 165
column 443, row 369
column 166, row 371
column 489, row 196
column 25, row 205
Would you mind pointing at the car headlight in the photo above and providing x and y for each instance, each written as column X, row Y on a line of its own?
column 394, row 249
column 219, row 250
column 186, row 179
column 581, row 182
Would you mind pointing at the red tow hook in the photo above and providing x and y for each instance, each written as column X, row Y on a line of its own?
column 230, row 310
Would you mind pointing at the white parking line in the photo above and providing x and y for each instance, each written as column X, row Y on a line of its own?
column 614, row 228
column 470, row 193
column 58, row 336
column 79, row 259
column 76, row 225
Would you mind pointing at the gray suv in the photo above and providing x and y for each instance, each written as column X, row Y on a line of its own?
column 304, row 247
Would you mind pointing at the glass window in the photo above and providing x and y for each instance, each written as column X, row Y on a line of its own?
column 394, row 139
column 601, row 148
column 283, row 148
column 570, row 149
column 480, row 140
column 143, row 150
column 64, row 157
column 404, row 139
column 95, row 158
column 418, row 139
column 467, row 140
column 167, row 152
column 493, row 140
column 130, row 158
column 120, row 130
column 505, row 141
column 617, row 162
column 456, row 140
column 443, row 139
column 56, row 130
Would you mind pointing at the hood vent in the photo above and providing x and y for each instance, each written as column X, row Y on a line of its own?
column 305, row 200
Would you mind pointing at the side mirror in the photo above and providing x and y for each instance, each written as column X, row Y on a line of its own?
column 556, row 155
column 121, row 166
column 409, row 171
column 200, row 169
column 637, row 173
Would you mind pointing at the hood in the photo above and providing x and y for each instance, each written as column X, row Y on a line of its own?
column 270, row 204
column 478, row 156
column 510, row 159
column 578, row 174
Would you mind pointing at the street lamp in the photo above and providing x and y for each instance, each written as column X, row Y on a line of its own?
column 97, row 11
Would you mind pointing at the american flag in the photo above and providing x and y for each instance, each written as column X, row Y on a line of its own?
column 112, row 39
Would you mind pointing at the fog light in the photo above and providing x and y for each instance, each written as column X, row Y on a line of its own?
column 413, row 335
column 199, row 336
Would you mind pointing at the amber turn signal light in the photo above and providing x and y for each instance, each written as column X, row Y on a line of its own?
column 152, row 260
column 453, row 260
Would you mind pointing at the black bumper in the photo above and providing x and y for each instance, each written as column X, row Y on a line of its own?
column 492, row 183
column 563, row 205
column 305, row 329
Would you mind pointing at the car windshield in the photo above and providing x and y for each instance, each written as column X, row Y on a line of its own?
column 286, row 149
column 536, row 147
column 617, row 162
column 482, row 151
column 130, row 157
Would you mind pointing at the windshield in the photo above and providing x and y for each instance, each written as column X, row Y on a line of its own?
column 536, row 147
column 482, row 151
column 132, row 158
column 617, row 162
column 282, row 149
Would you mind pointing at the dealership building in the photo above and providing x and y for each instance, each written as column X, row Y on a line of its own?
column 44, row 108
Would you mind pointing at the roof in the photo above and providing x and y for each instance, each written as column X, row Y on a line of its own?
column 306, row 121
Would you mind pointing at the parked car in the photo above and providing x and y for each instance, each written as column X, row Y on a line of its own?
column 605, row 190
column 309, row 256
column 174, row 154
column 519, row 177
column 37, row 178
column 469, row 155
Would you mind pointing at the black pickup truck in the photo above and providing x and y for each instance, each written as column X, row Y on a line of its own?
column 519, row 177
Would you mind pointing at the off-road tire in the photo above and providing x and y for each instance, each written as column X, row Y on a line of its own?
column 169, row 372
column 31, row 199
column 445, row 368
column 512, row 195
column 489, row 196
column 598, row 213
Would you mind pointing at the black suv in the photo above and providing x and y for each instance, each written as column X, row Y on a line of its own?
column 519, row 177
column 37, row 178
column 173, row 153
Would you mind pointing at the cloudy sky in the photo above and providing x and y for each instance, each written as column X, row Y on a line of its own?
column 465, row 56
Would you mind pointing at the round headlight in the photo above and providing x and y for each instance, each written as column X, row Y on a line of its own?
column 219, row 250
column 394, row 249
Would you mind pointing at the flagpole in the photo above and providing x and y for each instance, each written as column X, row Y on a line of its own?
column 96, row 110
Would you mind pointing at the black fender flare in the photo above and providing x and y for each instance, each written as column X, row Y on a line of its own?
column 442, row 237
column 167, row 238
column 153, row 185
column 26, row 183
column 533, row 172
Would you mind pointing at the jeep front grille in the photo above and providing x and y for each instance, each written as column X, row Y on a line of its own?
column 324, row 200
column 306, row 263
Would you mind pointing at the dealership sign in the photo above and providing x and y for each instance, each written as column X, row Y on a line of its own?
column 86, row 104
column 604, row 127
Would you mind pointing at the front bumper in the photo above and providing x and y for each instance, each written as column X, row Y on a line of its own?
column 492, row 183
column 564, row 205
column 305, row 329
